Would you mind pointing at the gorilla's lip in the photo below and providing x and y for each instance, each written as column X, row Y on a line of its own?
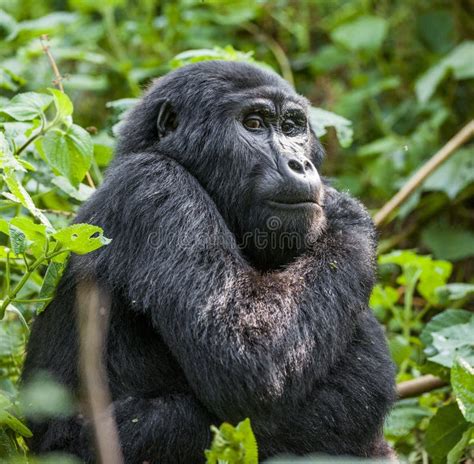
column 293, row 204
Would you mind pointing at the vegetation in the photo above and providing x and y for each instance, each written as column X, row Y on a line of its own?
column 395, row 81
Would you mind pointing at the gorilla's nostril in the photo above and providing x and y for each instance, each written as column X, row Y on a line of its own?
column 308, row 166
column 295, row 166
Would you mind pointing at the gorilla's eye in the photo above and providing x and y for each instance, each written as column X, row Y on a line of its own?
column 253, row 122
column 288, row 127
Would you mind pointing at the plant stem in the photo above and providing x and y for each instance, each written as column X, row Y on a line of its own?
column 33, row 300
column 30, row 140
column 11, row 296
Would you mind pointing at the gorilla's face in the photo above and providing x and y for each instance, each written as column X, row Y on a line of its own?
column 244, row 134
column 278, row 208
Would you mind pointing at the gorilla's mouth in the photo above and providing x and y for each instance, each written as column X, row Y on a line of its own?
column 297, row 204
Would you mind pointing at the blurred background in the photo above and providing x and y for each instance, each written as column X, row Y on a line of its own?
column 391, row 83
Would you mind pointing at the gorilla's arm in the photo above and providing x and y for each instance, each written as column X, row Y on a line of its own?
column 244, row 340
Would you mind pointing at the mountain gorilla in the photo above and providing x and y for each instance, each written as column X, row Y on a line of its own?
column 238, row 282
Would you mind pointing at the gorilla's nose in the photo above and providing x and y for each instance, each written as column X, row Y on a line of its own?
column 301, row 178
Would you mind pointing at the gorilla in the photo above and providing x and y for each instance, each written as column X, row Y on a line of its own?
column 238, row 282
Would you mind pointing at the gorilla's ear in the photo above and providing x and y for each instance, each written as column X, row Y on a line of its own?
column 166, row 121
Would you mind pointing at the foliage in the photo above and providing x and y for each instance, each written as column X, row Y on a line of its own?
column 395, row 81
column 233, row 445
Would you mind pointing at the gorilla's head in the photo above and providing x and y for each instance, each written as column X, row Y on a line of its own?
column 244, row 133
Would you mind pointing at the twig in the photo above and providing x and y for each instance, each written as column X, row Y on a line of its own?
column 90, row 180
column 418, row 386
column 93, row 310
column 428, row 168
column 58, row 82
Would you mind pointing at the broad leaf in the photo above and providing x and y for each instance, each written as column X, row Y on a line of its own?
column 20, row 195
column 454, row 292
column 452, row 342
column 68, row 153
column 322, row 119
column 404, row 417
column 81, row 238
column 444, row 431
column 462, row 380
column 460, row 62
column 63, row 105
column 448, row 242
column 27, row 106
column 50, row 282
column 35, row 234
column 18, row 240
column 453, row 175
column 456, row 453
column 364, row 34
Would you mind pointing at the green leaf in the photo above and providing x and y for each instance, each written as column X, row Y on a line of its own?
column 321, row 119
column 460, row 62
column 233, row 445
column 383, row 296
column 18, row 240
column 35, row 234
column 328, row 58
column 432, row 273
column 448, row 242
column 462, row 380
column 366, row 33
column 68, row 153
column 81, row 238
column 50, row 282
column 9, row 420
column 400, row 349
column 457, row 452
column 444, row 431
column 82, row 193
column 452, row 342
column 441, row 21
column 20, row 195
column 454, row 175
column 63, row 105
column 27, row 106
column 7, row 160
column 454, row 292
column 404, row 417
column 103, row 154
column 448, row 318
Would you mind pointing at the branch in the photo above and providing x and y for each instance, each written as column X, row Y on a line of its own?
column 426, row 170
column 418, row 386
column 93, row 312
column 58, row 81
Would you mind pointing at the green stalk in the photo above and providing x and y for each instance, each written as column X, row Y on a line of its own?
column 11, row 296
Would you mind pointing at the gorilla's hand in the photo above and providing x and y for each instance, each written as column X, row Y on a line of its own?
column 245, row 340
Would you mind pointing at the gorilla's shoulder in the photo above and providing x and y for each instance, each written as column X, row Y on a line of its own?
column 344, row 211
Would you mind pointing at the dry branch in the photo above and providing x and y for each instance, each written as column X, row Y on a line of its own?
column 93, row 312
column 418, row 386
column 428, row 168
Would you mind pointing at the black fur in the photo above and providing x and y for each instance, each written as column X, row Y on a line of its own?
column 206, row 324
